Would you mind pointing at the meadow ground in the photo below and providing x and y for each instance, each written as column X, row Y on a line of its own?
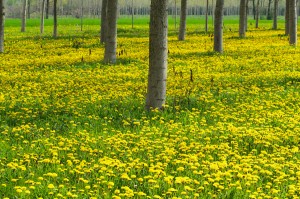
column 72, row 127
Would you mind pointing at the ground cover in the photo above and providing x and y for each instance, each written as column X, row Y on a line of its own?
column 71, row 127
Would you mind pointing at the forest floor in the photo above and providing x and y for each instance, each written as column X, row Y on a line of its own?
column 72, row 127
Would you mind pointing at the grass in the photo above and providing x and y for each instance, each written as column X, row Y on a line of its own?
column 72, row 127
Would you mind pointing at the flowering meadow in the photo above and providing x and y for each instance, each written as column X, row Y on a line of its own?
column 72, row 127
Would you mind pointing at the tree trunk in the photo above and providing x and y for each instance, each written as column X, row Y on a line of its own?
column 247, row 13
column 257, row 13
column 132, row 14
column 218, row 30
column 55, row 19
column 81, row 17
column 158, row 55
column 206, row 17
column 47, row 9
column 287, row 17
column 103, row 21
column 269, row 16
column 42, row 17
column 110, row 55
column 254, row 9
column 24, row 10
column 275, row 14
column 293, row 22
column 2, row 16
column 28, row 9
column 243, row 20
column 182, row 28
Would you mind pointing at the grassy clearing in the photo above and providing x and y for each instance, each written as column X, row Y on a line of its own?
column 72, row 127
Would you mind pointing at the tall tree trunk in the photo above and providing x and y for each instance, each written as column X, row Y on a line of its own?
column 287, row 17
column 132, row 14
column 55, row 19
column 269, row 16
column 293, row 22
column 218, row 30
column 2, row 16
column 103, row 21
column 24, row 10
column 110, row 55
column 243, row 19
column 257, row 13
column 158, row 55
column 28, row 9
column 81, row 17
column 42, row 17
column 182, row 28
column 206, row 16
column 254, row 9
column 47, row 9
column 275, row 14
column 175, row 14
column 247, row 13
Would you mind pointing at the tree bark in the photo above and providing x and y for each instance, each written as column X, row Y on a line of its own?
column 47, row 9
column 293, row 22
column 269, row 16
column 218, row 24
column 55, row 19
column 206, row 16
column 24, row 10
column 243, row 19
column 257, row 13
column 275, row 17
column 42, row 17
column 287, row 17
column 103, row 21
column 254, row 9
column 110, row 54
column 158, row 55
column 28, row 9
column 182, row 29
column 2, row 16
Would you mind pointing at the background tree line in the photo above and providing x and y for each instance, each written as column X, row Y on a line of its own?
column 92, row 8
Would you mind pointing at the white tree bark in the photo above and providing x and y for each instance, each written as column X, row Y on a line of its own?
column 42, row 17
column 218, row 24
column 158, row 54
column 2, row 16
column 24, row 10
column 110, row 55
column 293, row 22
column 103, row 21
column 182, row 29
column 243, row 19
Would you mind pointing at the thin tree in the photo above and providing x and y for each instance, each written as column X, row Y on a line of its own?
column 55, row 19
column 2, row 16
column 158, row 55
column 47, row 9
column 81, row 17
column 275, row 21
column 218, row 26
column 42, row 17
column 206, row 16
column 257, row 13
column 182, row 29
column 132, row 14
column 243, row 18
column 28, row 9
column 111, row 34
column 24, row 10
column 269, row 16
column 103, row 21
column 293, row 22
column 287, row 17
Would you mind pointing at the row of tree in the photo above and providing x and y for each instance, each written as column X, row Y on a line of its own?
column 92, row 8
column 158, row 46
